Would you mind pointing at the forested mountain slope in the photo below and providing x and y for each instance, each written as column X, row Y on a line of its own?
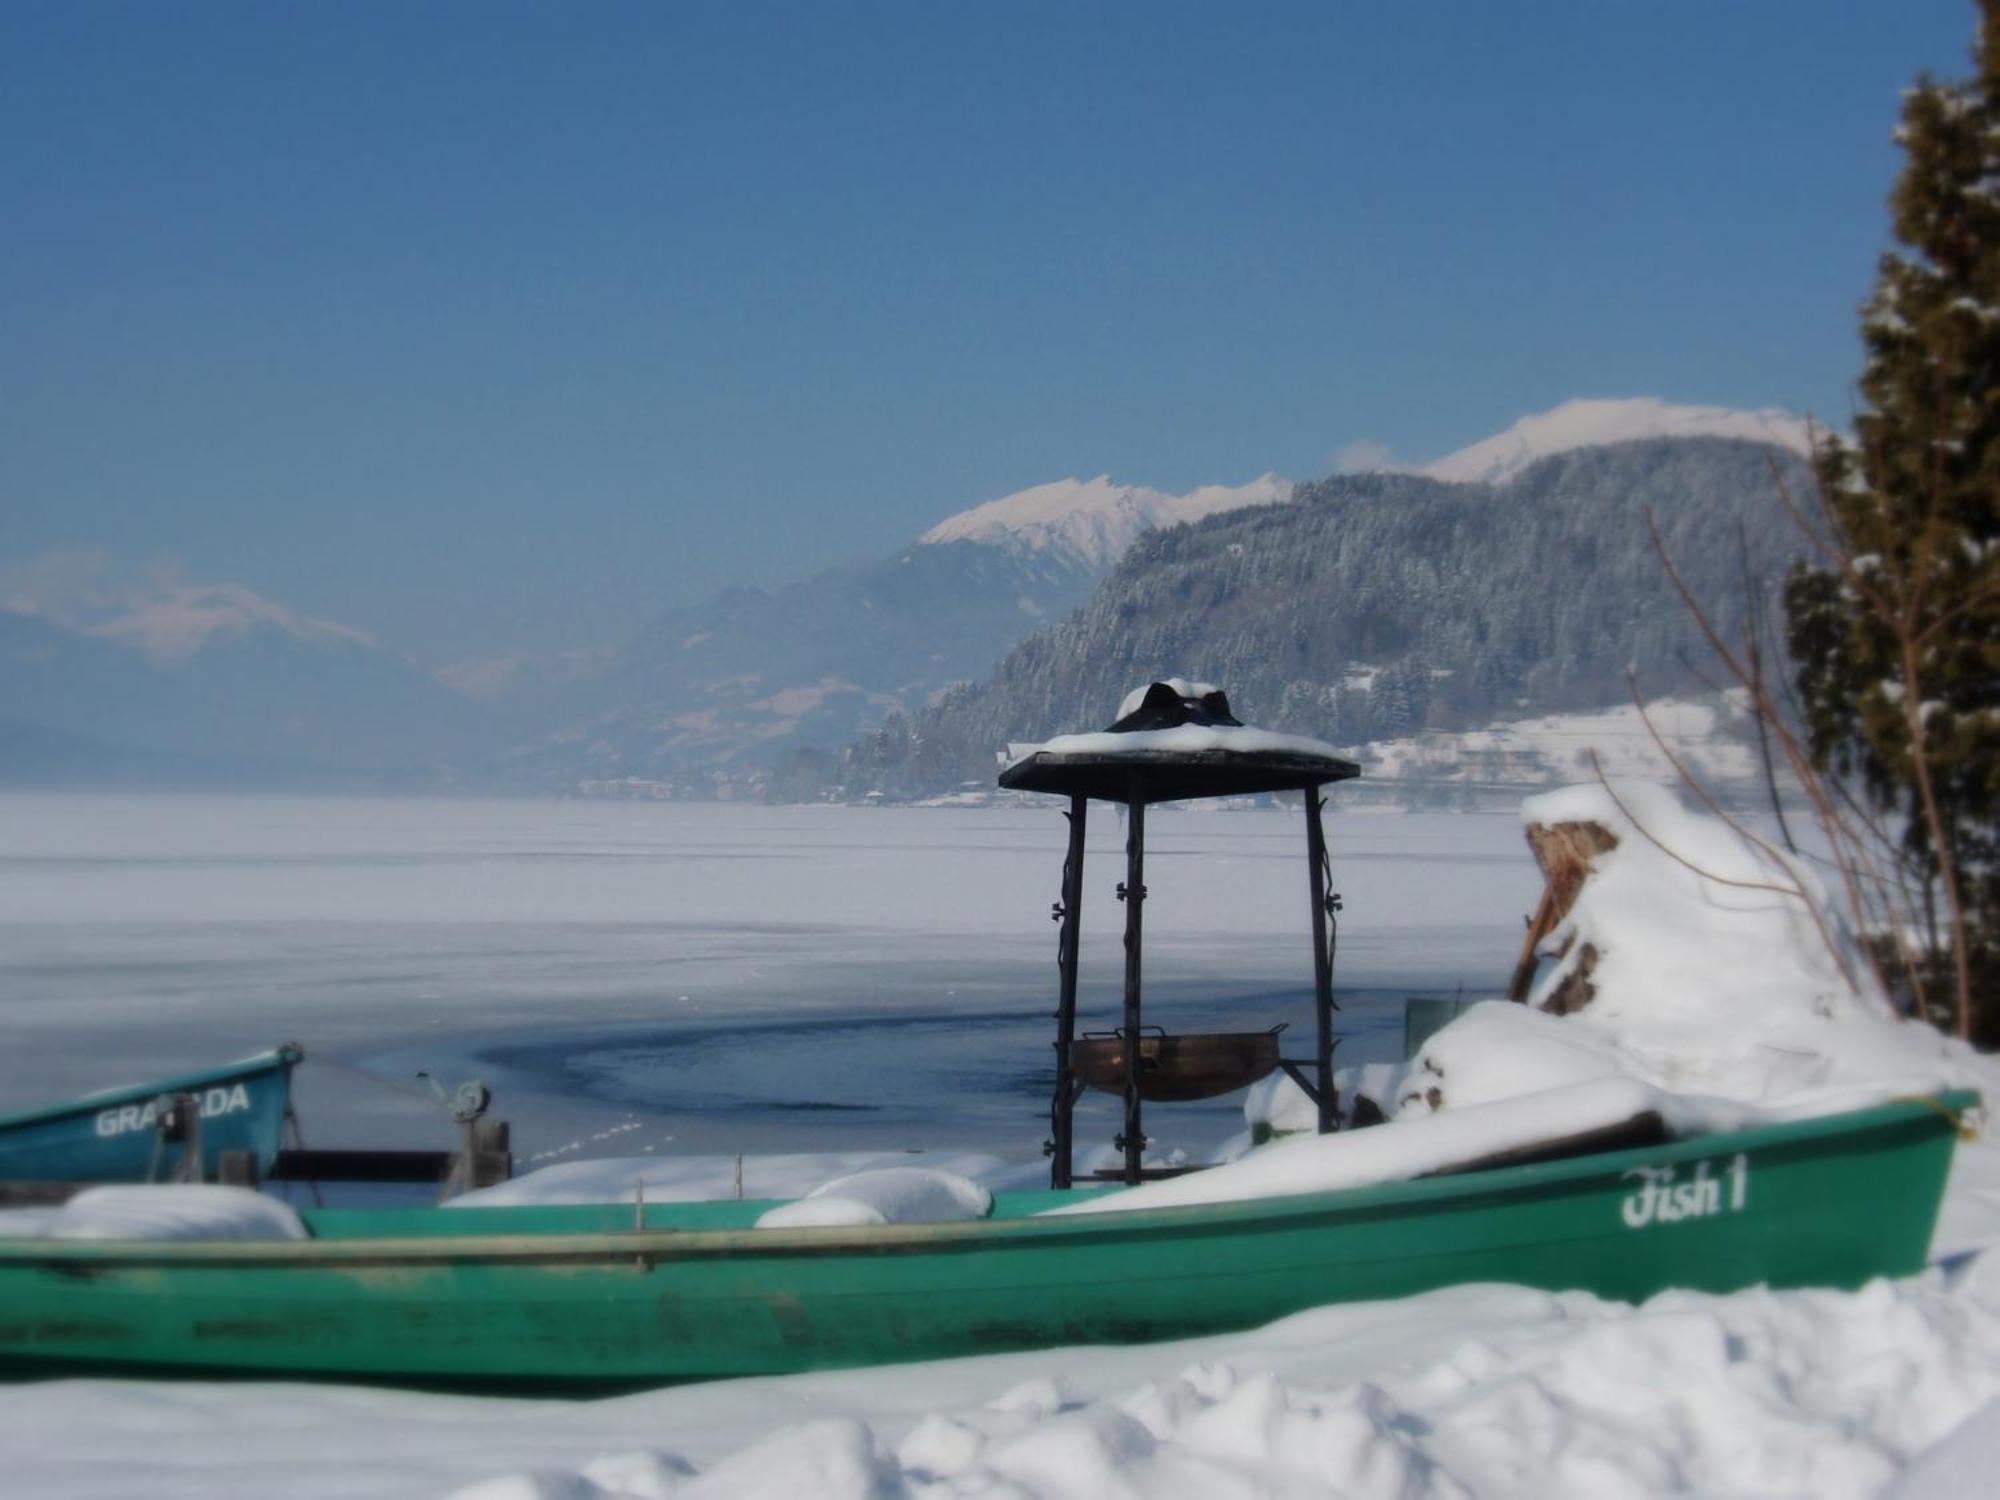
column 1378, row 604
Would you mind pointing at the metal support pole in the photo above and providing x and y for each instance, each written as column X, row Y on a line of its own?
column 1324, row 905
column 1069, row 911
column 1133, row 892
column 186, row 1110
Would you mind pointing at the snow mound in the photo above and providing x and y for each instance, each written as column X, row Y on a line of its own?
column 1963, row 1464
column 1721, row 975
column 1593, row 423
column 1276, row 1105
column 26, row 1223
column 1695, row 922
column 1476, row 1391
column 892, row 1195
column 189, row 1211
column 705, row 1179
column 1280, row 1106
column 1716, row 968
column 1093, row 521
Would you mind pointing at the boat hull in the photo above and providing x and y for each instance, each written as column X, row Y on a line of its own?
column 111, row 1137
column 565, row 1299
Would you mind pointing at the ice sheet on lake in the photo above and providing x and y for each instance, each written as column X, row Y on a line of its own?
column 143, row 934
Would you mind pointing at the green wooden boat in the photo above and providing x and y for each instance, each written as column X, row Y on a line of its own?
column 588, row 1299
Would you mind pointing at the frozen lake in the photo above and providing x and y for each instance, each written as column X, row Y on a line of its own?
column 694, row 977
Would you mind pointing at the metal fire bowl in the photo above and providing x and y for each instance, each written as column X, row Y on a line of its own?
column 1191, row 1065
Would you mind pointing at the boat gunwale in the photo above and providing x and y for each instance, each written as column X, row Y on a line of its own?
column 648, row 1247
column 278, row 1059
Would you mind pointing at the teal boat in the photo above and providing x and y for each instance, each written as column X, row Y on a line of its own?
column 115, row 1136
column 587, row 1299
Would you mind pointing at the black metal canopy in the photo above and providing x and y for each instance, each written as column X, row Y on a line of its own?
column 1148, row 761
column 1174, row 742
column 1149, row 775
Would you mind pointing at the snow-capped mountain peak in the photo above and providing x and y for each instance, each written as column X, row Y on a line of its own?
column 178, row 623
column 1591, row 423
column 1093, row 521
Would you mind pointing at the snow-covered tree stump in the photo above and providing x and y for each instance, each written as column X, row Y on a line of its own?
column 1567, row 853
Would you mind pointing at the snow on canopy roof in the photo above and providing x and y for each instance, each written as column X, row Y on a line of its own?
column 1172, row 741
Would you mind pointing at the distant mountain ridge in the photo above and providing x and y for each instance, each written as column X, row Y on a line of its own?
column 178, row 624
column 1374, row 606
column 1092, row 522
column 709, row 699
column 209, row 684
column 138, row 666
column 1597, row 423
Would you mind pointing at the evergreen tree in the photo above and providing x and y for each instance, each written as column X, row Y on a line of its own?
column 1896, row 631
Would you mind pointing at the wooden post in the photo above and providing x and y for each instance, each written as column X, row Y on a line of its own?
column 1322, row 914
column 1539, row 926
column 1133, row 1141
column 1070, row 913
column 485, row 1158
column 492, row 1147
column 182, row 1122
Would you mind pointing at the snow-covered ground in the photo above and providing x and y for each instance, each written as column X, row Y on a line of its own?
column 140, row 928
column 1494, row 767
column 1472, row 1391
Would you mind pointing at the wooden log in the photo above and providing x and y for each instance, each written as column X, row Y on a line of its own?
column 1567, row 854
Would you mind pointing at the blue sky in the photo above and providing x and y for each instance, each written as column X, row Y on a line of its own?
column 491, row 327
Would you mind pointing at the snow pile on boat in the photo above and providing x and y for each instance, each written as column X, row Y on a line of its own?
column 1366, row 1158
column 706, row 1179
column 891, row 1195
column 1276, row 1106
column 25, row 1223
column 184, row 1211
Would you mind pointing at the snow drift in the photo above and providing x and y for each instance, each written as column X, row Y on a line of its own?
column 891, row 1195
column 1700, row 964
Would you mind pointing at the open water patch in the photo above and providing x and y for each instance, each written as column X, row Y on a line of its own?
column 935, row 1077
